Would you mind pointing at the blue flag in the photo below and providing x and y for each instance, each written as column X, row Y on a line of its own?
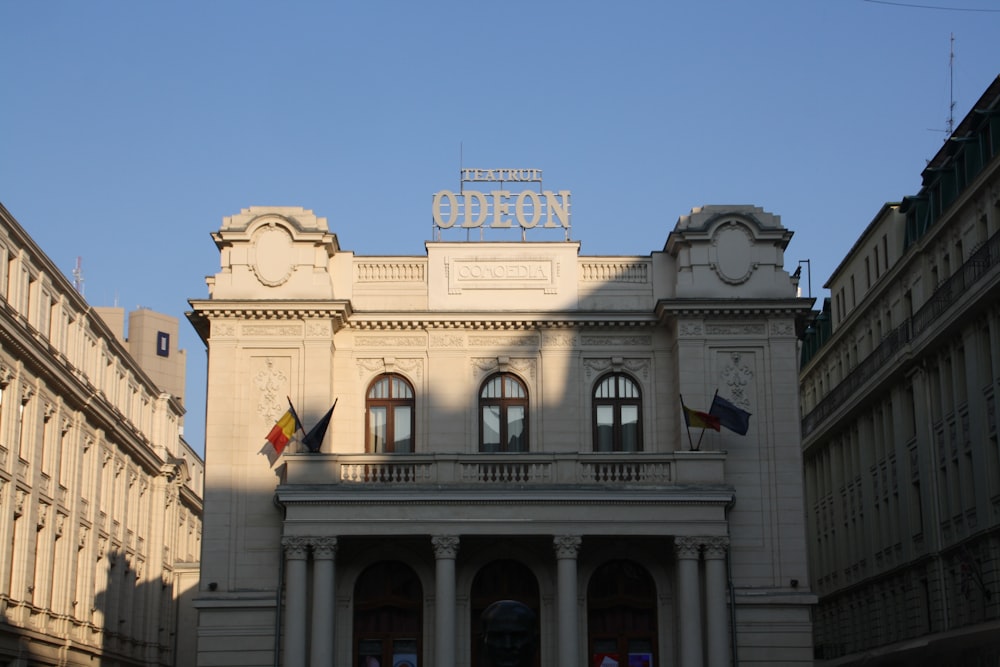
column 732, row 417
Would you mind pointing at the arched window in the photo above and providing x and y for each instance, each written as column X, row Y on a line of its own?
column 621, row 615
column 389, row 415
column 617, row 414
column 388, row 623
column 503, row 414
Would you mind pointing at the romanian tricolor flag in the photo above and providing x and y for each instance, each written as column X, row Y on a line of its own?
column 698, row 419
column 280, row 434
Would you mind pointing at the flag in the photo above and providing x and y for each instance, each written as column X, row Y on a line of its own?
column 734, row 418
column 280, row 434
column 314, row 438
column 699, row 419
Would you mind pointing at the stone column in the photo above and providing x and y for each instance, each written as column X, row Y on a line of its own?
column 567, row 547
column 687, row 550
column 324, row 551
column 445, row 550
column 716, row 618
column 296, row 592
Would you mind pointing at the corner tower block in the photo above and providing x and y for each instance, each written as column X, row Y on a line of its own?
column 730, row 252
column 274, row 252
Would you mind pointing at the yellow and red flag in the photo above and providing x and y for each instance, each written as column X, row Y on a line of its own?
column 280, row 434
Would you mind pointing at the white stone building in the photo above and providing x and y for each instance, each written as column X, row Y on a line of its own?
column 100, row 497
column 508, row 425
column 900, row 379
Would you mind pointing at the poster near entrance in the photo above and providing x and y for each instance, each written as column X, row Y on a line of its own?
column 612, row 660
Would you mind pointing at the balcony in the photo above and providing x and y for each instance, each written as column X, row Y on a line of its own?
column 486, row 471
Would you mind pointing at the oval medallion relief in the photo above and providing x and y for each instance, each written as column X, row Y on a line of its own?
column 272, row 259
column 733, row 251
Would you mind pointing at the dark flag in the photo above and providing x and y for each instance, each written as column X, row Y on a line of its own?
column 314, row 438
column 732, row 417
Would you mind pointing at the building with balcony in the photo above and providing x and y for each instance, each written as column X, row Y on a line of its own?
column 100, row 495
column 900, row 378
column 508, row 425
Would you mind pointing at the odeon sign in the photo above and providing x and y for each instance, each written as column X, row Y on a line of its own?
column 501, row 208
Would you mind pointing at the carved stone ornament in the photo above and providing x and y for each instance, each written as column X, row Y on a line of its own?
column 733, row 244
column 447, row 340
column 445, row 546
column 324, row 548
column 482, row 366
column 687, row 547
column 273, row 384
column 782, row 328
column 296, row 548
column 558, row 339
column 737, row 375
column 638, row 367
column 19, row 497
column 687, row 329
column 223, row 329
column 6, row 375
column 567, row 546
column 272, row 255
column 616, row 341
column 716, row 547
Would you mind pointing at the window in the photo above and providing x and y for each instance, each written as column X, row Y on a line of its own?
column 617, row 412
column 389, row 415
column 503, row 414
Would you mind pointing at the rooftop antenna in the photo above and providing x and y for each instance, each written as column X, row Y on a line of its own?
column 78, row 276
column 951, row 85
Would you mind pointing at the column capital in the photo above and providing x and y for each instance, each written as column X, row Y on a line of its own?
column 296, row 548
column 716, row 547
column 687, row 547
column 324, row 548
column 567, row 546
column 445, row 546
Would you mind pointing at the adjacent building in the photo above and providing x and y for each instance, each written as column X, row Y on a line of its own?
column 900, row 381
column 100, row 496
column 508, row 425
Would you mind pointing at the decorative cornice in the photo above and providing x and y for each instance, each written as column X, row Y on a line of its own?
column 732, row 308
column 393, row 322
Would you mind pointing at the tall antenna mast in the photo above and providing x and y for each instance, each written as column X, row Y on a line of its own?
column 951, row 86
column 78, row 276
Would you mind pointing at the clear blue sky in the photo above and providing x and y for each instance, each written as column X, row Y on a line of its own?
column 129, row 129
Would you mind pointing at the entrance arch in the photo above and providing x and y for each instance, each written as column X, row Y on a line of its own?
column 621, row 615
column 500, row 580
column 388, row 616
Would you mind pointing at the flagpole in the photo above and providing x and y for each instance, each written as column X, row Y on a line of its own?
column 688, row 426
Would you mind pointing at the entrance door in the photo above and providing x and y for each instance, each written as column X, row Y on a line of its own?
column 388, row 601
column 500, row 580
column 621, row 616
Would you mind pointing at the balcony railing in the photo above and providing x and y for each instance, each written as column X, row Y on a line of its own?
column 517, row 469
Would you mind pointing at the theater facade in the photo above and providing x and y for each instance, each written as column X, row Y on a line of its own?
column 508, row 425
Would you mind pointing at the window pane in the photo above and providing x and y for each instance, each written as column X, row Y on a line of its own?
column 605, row 428
column 380, row 389
column 630, row 428
column 513, row 388
column 400, row 389
column 516, row 440
column 376, row 429
column 627, row 388
column 606, row 389
column 491, row 428
column 492, row 388
column 403, row 439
